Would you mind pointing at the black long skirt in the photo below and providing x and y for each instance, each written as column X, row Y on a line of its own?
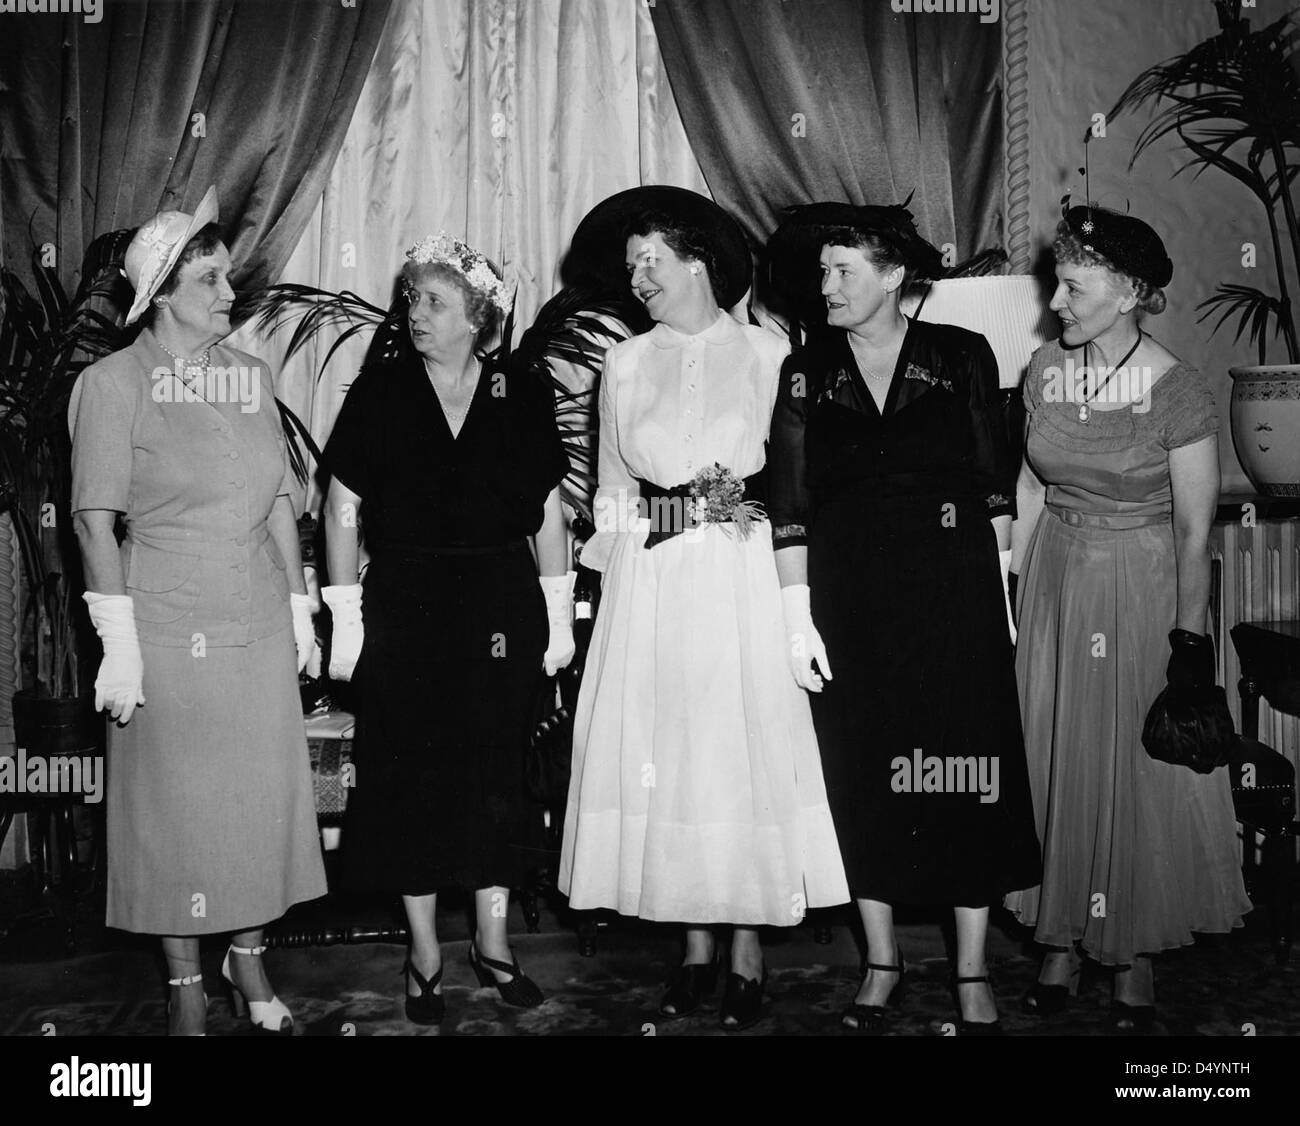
column 448, row 681
column 920, row 728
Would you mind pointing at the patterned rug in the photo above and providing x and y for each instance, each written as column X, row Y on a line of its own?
column 1219, row 987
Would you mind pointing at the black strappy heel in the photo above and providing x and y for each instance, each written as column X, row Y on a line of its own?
column 870, row 1019
column 429, row 1007
column 520, row 990
column 974, row 1027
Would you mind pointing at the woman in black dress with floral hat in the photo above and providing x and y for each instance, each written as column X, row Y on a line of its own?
column 891, row 495
column 451, row 465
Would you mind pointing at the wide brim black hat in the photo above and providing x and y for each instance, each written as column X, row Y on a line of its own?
column 597, row 256
column 1129, row 244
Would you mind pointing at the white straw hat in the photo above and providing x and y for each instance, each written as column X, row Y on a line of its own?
column 158, row 244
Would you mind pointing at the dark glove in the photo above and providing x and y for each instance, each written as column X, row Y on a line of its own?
column 1191, row 660
column 1189, row 723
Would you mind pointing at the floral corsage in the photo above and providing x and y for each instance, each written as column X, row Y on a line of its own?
column 718, row 497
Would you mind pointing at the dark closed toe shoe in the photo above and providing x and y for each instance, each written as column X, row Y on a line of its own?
column 689, row 987
column 1130, row 1020
column 742, row 1002
column 870, row 1020
column 1048, row 1000
column 1045, row 1000
column 520, row 991
column 973, row 1027
column 428, row 1007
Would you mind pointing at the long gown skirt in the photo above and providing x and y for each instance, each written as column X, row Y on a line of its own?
column 448, row 679
column 696, row 794
column 911, row 610
column 1138, row 853
column 211, row 817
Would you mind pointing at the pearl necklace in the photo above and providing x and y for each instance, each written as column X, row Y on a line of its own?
column 454, row 418
column 869, row 372
column 188, row 365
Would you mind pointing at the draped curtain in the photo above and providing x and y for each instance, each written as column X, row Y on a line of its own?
column 103, row 124
column 841, row 100
column 107, row 123
column 500, row 121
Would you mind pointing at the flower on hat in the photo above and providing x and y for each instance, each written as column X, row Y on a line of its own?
column 443, row 249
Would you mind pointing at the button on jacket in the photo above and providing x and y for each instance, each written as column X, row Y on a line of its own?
column 196, row 480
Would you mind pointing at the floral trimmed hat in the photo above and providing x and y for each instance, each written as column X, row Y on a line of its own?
column 443, row 249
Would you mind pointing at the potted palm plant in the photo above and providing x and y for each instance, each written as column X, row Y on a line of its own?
column 46, row 340
column 1234, row 101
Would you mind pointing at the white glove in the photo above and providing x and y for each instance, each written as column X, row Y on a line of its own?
column 1004, row 561
column 805, row 642
column 304, row 632
column 558, row 592
column 345, row 642
column 119, row 687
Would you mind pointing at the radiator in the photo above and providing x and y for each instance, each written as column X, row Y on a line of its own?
column 1256, row 579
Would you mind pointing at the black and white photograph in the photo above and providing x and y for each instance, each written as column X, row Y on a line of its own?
column 731, row 519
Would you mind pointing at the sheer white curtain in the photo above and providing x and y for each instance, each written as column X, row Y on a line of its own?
column 501, row 121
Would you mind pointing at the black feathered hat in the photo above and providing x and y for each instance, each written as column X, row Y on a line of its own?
column 794, row 250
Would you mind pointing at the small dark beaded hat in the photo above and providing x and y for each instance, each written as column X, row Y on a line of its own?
column 1129, row 244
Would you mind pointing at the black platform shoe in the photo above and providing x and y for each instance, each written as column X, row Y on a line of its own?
column 870, row 1019
column 689, row 987
column 742, row 1002
column 520, row 991
column 429, row 1007
column 973, row 1027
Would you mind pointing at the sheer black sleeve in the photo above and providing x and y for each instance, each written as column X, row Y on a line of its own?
column 995, row 463
column 789, row 502
column 349, row 453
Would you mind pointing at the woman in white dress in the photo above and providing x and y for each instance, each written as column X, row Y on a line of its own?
column 697, row 792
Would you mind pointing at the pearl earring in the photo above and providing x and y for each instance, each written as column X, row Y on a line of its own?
column 695, row 270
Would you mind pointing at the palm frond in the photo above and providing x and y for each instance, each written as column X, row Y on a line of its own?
column 1256, row 308
column 1234, row 103
column 46, row 340
column 981, row 264
column 310, row 310
column 576, row 327
column 295, row 430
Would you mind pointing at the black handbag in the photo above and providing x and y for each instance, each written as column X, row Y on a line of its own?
column 550, row 753
column 546, row 769
column 1189, row 724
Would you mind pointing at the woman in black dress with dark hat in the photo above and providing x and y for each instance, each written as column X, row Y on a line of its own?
column 451, row 466
column 891, row 495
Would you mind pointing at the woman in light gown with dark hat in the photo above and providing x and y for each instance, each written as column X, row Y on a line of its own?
column 1116, row 499
column 891, row 497
column 696, row 792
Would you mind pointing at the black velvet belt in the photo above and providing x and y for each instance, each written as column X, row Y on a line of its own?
column 668, row 510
